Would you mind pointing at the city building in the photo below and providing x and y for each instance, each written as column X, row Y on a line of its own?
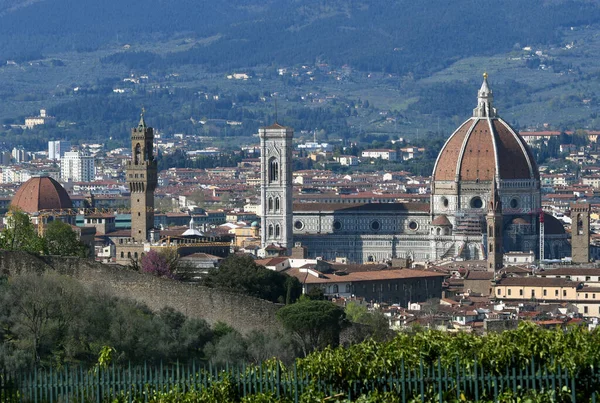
column 482, row 160
column 20, row 155
column 77, row 166
column 390, row 155
column 57, row 149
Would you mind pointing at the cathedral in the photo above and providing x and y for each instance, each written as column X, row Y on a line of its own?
column 485, row 201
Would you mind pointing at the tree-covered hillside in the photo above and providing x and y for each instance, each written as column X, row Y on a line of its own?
column 398, row 36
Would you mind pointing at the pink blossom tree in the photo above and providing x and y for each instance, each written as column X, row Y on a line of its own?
column 156, row 264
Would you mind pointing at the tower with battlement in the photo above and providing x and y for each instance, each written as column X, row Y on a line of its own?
column 142, row 180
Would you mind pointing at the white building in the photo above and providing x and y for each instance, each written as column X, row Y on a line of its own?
column 57, row 149
column 43, row 119
column 76, row 166
column 384, row 154
column 20, row 155
column 347, row 160
column 519, row 258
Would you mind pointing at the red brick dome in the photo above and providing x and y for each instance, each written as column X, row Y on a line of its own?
column 41, row 193
column 484, row 147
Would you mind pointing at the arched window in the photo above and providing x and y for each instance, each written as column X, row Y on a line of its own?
column 490, row 231
column 135, row 255
column 138, row 153
column 270, row 230
column 122, row 255
column 439, row 231
column 128, row 255
column 348, row 288
column 270, row 204
column 336, row 289
column 277, row 231
column 579, row 225
column 277, row 204
column 273, row 170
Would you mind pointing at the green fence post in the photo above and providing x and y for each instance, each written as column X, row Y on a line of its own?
column 295, row 382
column 573, row 394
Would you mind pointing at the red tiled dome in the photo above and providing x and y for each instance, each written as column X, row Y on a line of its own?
column 484, row 147
column 441, row 220
column 41, row 193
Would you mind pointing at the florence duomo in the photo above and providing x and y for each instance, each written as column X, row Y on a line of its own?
column 483, row 161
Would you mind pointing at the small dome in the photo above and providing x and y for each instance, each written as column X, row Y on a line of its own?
column 552, row 225
column 485, row 147
column 519, row 221
column 41, row 193
column 255, row 224
column 441, row 220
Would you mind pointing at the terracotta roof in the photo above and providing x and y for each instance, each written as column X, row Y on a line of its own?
column 479, row 275
column 275, row 126
column 41, row 193
column 571, row 271
column 516, row 270
column 441, row 220
column 361, row 276
column 472, row 150
column 536, row 282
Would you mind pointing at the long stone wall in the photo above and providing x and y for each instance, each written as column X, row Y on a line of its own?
column 242, row 312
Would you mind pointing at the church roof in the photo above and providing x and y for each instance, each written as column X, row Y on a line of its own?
column 552, row 225
column 441, row 220
column 41, row 193
column 485, row 147
column 276, row 126
column 365, row 207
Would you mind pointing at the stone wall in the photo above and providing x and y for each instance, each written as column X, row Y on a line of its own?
column 242, row 312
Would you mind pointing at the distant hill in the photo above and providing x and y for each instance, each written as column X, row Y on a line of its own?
column 396, row 36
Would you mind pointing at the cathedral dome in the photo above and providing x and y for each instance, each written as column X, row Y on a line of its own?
column 41, row 193
column 485, row 147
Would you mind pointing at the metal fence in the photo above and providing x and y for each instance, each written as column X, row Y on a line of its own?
column 428, row 383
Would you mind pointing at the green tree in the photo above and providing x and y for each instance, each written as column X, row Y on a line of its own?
column 313, row 324
column 231, row 348
column 21, row 234
column 242, row 274
column 61, row 240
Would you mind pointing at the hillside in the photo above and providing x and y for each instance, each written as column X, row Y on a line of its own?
column 375, row 35
column 356, row 70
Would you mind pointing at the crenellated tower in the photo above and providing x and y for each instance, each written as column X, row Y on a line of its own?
column 142, row 180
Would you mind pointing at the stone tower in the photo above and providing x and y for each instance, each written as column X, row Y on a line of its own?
column 580, row 232
column 494, row 230
column 276, row 186
column 142, row 179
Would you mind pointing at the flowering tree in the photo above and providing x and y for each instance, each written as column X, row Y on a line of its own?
column 156, row 264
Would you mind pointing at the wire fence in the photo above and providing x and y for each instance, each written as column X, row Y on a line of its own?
column 427, row 383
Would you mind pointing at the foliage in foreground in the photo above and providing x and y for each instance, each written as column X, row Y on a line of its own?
column 225, row 391
column 50, row 320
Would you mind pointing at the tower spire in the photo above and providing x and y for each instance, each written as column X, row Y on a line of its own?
column 485, row 99
column 142, row 121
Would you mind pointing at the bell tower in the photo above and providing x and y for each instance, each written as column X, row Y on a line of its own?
column 142, row 179
column 580, row 232
column 493, row 220
column 276, row 185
